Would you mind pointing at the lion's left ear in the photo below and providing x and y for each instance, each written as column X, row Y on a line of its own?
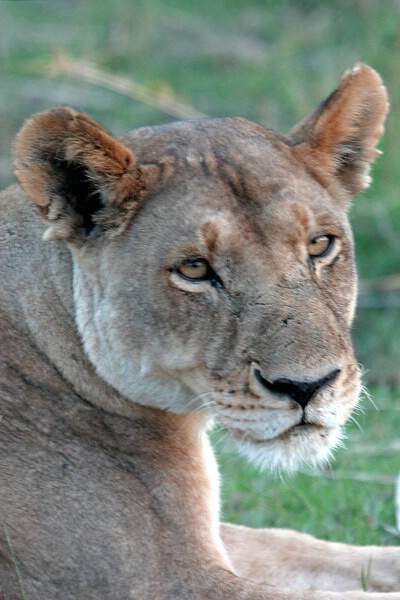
column 78, row 174
column 338, row 141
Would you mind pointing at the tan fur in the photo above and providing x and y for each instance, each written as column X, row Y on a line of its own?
column 113, row 364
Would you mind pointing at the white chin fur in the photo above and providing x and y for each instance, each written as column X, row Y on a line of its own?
column 289, row 452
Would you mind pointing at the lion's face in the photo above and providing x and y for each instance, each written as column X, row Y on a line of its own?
column 228, row 284
column 230, row 294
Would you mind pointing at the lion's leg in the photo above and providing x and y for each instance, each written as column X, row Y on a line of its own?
column 304, row 562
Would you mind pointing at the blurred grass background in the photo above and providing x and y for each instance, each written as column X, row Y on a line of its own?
column 271, row 61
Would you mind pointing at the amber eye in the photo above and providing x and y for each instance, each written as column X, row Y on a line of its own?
column 194, row 270
column 320, row 246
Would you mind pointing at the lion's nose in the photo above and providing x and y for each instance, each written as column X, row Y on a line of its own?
column 300, row 391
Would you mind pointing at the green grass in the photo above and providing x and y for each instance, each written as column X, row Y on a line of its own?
column 351, row 501
column 15, row 563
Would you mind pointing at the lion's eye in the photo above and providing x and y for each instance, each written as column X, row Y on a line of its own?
column 195, row 270
column 199, row 269
column 320, row 246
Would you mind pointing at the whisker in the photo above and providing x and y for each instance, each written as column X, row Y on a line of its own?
column 357, row 424
column 367, row 394
column 221, row 443
column 203, row 407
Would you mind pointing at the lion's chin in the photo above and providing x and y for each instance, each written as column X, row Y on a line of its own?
column 304, row 444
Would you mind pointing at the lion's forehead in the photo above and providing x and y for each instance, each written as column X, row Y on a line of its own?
column 205, row 146
column 233, row 164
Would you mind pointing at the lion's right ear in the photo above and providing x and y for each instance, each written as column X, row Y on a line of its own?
column 78, row 174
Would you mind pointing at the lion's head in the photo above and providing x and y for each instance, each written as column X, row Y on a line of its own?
column 214, row 263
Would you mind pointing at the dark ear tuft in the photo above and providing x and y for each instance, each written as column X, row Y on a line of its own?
column 338, row 141
column 77, row 173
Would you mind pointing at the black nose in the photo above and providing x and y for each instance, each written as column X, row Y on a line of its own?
column 300, row 391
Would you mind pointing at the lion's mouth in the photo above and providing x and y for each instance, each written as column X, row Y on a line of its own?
column 260, row 424
column 282, row 440
column 299, row 429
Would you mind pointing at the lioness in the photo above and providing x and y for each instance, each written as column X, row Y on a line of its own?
column 200, row 270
